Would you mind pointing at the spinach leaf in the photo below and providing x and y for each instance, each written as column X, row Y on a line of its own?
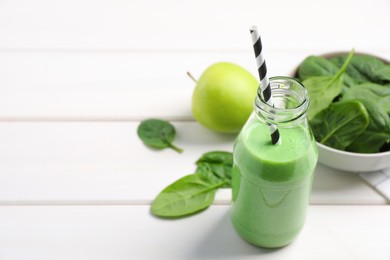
column 340, row 124
column 186, row 196
column 364, row 68
column 217, row 166
column 323, row 89
column 158, row 134
column 376, row 99
column 195, row 192
column 370, row 141
column 314, row 66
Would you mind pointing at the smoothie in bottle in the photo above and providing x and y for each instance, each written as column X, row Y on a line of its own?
column 272, row 183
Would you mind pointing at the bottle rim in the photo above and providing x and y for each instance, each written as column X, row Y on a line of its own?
column 283, row 87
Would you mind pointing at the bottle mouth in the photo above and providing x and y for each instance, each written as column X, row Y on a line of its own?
column 291, row 102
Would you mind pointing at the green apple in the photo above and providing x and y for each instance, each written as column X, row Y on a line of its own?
column 223, row 97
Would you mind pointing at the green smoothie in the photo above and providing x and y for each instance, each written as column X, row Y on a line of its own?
column 272, row 183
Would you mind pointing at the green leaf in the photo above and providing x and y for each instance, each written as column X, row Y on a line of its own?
column 216, row 165
column 364, row 68
column 370, row 142
column 376, row 99
column 186, row 196
column 158, row 134
column 323, row 89
column 340, row 124
column 314, row 66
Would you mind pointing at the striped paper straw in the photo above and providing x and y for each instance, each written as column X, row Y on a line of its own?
column 264, row 81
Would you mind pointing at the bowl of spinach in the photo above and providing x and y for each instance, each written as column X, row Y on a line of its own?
column 349, row 109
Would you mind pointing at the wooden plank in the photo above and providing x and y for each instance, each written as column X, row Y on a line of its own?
column 173, row 25
column 111, row 86
column 106, row 163
column 114, row 86
column 130, row 232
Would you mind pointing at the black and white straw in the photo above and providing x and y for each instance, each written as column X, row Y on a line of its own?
column 265, row 88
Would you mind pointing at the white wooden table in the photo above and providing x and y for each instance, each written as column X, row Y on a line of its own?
column 77, row 76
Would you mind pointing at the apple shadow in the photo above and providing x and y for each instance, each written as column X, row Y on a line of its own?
column 222, row 242
column 199, row 135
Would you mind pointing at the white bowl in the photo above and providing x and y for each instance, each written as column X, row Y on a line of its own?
column 352, row 162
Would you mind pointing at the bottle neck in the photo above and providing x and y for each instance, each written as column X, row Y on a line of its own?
column 291, row 103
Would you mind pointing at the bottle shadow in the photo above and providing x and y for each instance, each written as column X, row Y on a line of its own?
column 222, row 242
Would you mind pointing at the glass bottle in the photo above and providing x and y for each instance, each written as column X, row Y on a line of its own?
column 271, row 184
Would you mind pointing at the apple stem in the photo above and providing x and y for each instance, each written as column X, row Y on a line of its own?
column 192, row 77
